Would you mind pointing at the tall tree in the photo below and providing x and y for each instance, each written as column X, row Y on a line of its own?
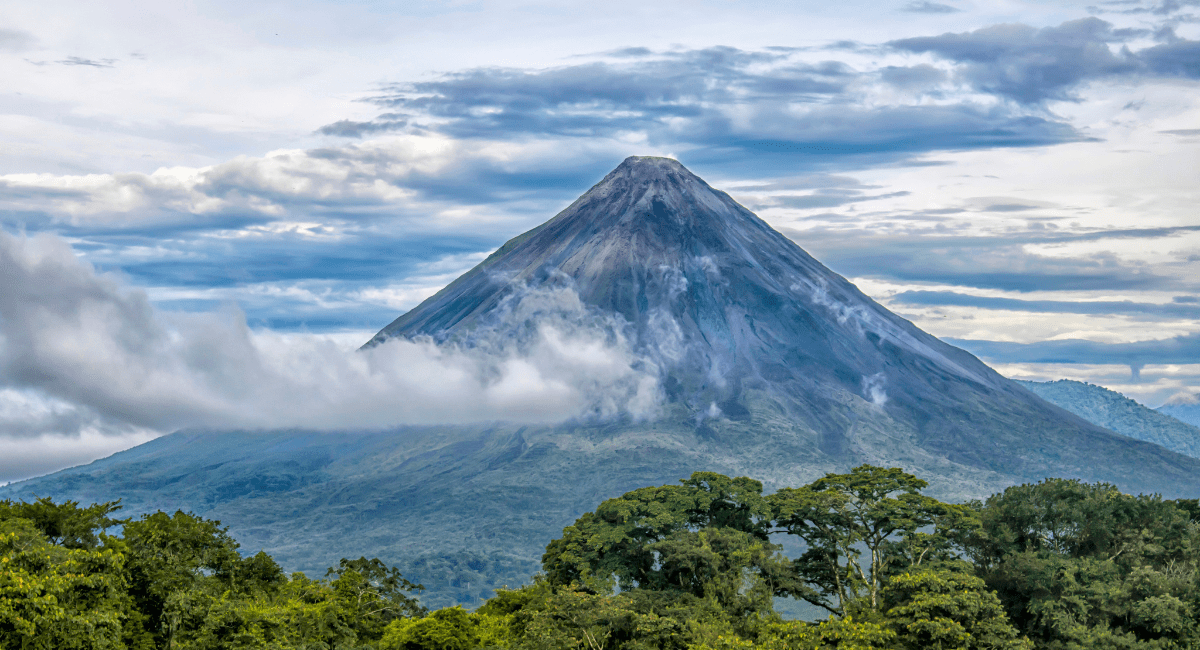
column 65, row 524
column 701, row 537
column 860, row 527
column 945, row 609
column 1078, row 564
column 170, row 556
column 374, row 594
column 56, row 598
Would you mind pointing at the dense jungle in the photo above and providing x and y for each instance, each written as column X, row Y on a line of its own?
column 698, row 565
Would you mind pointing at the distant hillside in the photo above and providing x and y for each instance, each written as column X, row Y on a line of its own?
column 1112, row 410
column 1189, row 413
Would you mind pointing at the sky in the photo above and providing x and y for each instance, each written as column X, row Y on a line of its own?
column 205, row 206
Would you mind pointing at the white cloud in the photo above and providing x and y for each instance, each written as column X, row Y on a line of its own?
column 91, row 344
column 40, row 434
column 26, row 458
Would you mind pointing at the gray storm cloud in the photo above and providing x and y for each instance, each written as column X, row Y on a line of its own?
column 95, row 351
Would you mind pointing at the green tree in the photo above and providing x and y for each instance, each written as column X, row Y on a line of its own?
column 374, row 594
column 715, row 563
column 846, row 633
column 568, row 617
column 1083, row 565
column 170, row 557
column 704, row 537
column 65, row 524
column 947, row 609
column 56, row 598
column 301, row 614
column 861, row 527
column 445, row 629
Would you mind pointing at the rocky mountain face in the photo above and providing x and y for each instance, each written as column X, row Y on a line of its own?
column 766, row 363
column 742, row 322
column 1112, row 410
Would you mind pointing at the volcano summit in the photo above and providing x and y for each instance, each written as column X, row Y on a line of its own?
column 745, row 326
column 753, row 358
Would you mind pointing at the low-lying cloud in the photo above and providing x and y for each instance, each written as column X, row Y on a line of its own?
column 1179, row 350
column 98, row 355
column 1181, row 308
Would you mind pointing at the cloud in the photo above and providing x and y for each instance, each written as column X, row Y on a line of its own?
column 1032, row 65
column 1164, row 8
column 927, row 7
column 305, row 238
column 1177, row 59
column 15, row 40
column 1178, row 309
column 1028, row 64
column 90, row 63
column 388, row 179
column 1172, row 351
column 916, row 77
column 1187, row 397
column 718, row 103
column 83, row 340
column 998, row 261
column 25, row 458
column 600, row 98
column 1009, row 207
column 41, row 434
column 351, row 129
column 823, row 199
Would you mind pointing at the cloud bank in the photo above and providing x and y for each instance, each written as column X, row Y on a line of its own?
column 1180, row 350
column 80, row 353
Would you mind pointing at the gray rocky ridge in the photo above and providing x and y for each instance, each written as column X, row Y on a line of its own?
column 741, row 322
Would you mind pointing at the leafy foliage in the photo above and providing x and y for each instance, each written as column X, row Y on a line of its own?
column 376, row 594
column 174, row 581
column 1055, row 565
column 64, row 524
column 1083, row 565
column 705, row 537
column 53, row 597
column 873, row 511
column 944, row 608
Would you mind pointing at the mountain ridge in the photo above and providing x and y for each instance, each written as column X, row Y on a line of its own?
column 1112, row 410
column 728, row 308
column 1188, row 412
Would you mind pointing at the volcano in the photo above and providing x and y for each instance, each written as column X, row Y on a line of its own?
column 744, row 323
column 767, row 363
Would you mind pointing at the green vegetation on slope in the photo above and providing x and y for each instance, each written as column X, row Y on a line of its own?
column 1112, row 410
column 1057, row 564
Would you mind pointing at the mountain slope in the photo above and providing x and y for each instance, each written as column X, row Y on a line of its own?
column 734, row 312
column 768, row 364
column 1112, row 410
column 1184, row 412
